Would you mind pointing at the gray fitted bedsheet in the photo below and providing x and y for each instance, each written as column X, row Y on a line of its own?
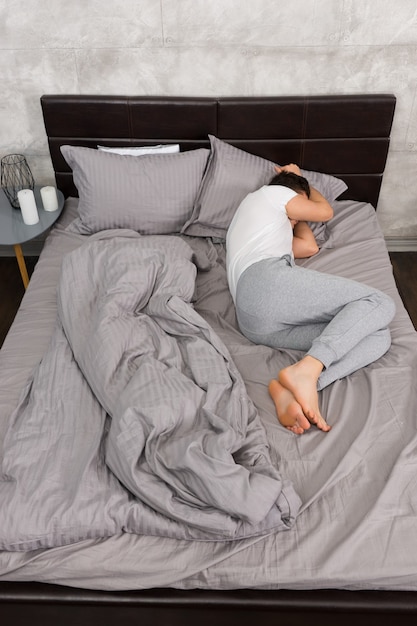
column 356, row 528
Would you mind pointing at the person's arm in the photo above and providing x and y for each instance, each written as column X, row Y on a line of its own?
column 313, row 209
column 304, row 243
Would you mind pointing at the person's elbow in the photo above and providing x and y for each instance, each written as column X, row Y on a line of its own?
column 304, row 250
column 312, row 249
column 327, row 212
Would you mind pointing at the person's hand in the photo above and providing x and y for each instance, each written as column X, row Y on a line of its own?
column 291, row 167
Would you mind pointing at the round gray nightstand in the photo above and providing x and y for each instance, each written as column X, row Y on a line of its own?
column 13, row 230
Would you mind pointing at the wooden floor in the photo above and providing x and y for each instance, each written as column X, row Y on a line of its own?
column 12, row 290
column 405, row 272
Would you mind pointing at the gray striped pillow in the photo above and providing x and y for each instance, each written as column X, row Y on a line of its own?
column 151, row 194
column 231, row 174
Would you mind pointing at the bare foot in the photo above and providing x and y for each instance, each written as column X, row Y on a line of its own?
column 301, row 380
column 289, row 412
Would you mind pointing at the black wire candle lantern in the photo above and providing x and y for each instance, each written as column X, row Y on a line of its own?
column 15, row 175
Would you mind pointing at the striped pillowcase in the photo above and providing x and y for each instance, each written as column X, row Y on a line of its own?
column 231, row 174
column 151, row 194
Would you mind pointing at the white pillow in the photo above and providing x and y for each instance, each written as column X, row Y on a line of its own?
column 138, row 151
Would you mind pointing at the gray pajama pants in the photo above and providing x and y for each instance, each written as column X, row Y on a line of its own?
column 339, row 321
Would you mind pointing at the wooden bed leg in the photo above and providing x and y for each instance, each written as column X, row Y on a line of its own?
column 22, row 265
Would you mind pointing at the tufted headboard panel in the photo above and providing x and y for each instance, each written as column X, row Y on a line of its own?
column 347, row 136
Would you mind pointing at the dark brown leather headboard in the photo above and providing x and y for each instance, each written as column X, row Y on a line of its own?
column 347, row 136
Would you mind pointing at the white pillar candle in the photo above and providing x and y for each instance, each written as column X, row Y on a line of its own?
column 49, row 198
column 28, row 206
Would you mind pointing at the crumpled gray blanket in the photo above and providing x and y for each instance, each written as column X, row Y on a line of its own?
column 137, row 419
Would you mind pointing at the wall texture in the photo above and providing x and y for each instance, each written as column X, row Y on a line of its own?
column 214, row 47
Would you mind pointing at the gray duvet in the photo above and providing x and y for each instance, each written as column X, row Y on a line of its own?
column 356, row 528
column 137, row 419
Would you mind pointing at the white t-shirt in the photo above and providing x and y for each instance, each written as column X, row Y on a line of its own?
column 260, row 229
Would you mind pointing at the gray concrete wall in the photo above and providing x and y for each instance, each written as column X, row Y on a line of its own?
column 213, row 47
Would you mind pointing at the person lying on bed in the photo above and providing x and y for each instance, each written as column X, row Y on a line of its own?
column 341, row 324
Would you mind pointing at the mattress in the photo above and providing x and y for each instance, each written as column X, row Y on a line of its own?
column 357, row 483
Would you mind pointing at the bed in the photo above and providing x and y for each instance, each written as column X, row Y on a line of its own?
column 338, row 543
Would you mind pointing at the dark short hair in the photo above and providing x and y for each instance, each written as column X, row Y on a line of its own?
column 299, row 184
